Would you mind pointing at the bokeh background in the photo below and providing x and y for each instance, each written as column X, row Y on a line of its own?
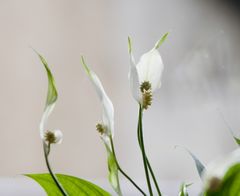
column 200, row 84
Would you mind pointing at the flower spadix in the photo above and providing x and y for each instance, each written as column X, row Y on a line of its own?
column 55, row 136
column 106, row 127
column 145, row 76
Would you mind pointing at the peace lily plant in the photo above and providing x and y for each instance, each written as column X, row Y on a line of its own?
column 106, row 128
column 145, row 79
column 219, row 178
column 58, row 184
column 50, row 137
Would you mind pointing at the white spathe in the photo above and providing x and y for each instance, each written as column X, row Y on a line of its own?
column 108, row 110
column 108, row 126
column 58, row 135
column 48, row 110
column 149, row 68
column 218, row 168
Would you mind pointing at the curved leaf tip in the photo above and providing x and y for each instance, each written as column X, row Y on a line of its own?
column 129, row 45
column 52, row 90
column 200, row 167
column 160, row 42
column 86, row 68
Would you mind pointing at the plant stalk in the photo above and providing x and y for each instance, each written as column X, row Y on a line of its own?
column 46, row 149
column 122, row 172
column 142, row 148
column 150, row 169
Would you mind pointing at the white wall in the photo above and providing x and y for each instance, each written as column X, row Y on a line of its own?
column 201, row 75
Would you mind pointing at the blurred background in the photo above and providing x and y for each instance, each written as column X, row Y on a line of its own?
column 200, row 84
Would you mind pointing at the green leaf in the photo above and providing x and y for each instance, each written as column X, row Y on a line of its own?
column 113, row 171
column 183, row 189
column 228, row 186
column 200, row 167
column 237, row 140
column 73, row 185
column 160, row 42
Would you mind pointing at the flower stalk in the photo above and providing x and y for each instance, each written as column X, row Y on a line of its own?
column 54, row 136
column 47, row 148
column 141, row 145
column 145, row 79
column 142, row 148
column 123, row 173
column 106, row 130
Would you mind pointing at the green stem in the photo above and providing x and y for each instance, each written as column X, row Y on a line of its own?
column 153, row 177
column 46, row 149
column 123, row 173
column 150, row 168
column 142, row 147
